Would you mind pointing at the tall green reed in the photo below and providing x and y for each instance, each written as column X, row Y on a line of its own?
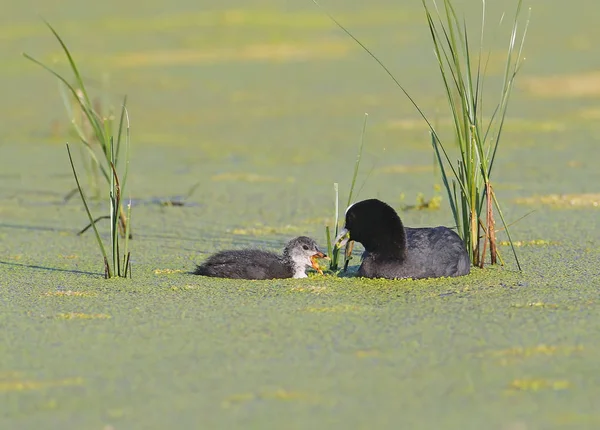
column 82, row 130
column 120, row 267
column 93, row 130
column 467, row 179
column 332, row 252
column 103, row 134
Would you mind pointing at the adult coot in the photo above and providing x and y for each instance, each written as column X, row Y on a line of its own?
column 298, row 254
column 393, row 251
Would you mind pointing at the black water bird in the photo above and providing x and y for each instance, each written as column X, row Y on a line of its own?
column 393, row 251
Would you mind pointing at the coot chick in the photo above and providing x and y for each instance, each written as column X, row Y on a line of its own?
column 393, row 251
column 298, row 254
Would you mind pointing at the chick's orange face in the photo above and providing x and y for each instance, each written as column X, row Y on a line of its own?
column 315, row 264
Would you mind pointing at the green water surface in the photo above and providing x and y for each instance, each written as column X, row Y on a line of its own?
column 262, row 103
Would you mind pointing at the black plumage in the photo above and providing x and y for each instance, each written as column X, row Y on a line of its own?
column 394, row 251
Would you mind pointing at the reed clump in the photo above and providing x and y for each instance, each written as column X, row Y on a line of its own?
column 104, row 144
column 466, row 162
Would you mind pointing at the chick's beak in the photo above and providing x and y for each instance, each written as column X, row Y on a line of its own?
column 342, row 238
column 313, row 261
column 319, row 254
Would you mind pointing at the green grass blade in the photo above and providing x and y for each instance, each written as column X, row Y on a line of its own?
column 336, row 252
column 118, row 255
column 440, row 54
column 440, row 163
column 87, row 210
column 367, row 176
column 120, row 129
column 358, row 158
column 71, row 63
column 127, row 149
column 93, row 156
column 67, row 103
column 512, row 246
column 479, row 80
column 127, row 232
column 329, row 246
column 389, row 73
column 58, row 76
column 114, row 207
column 89, row 113
column 509, row 77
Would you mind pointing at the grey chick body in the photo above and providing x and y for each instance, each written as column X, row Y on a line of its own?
column 258, row 264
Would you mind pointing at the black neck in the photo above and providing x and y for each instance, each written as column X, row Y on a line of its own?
column 392, row 247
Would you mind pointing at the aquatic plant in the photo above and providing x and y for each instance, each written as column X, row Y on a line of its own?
column 468, row 179
column 94, row 130
column 333, row 252
column 120, row 268
column 111, row 149
column 81, row 129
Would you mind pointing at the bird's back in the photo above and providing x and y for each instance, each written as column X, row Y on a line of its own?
column 244, row 264
column 437, row 252
column 431, row 253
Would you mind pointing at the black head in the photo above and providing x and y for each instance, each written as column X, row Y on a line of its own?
column 377, row 226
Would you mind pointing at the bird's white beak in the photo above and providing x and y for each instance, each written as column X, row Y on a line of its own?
column 342, row 238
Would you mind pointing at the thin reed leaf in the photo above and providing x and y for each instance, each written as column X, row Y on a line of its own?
column 121, row 122
column 329, row 248
column 71, row 62
column 127, row 232
column 335, row 251
column 358, row 158
column 451, row 196
column 128, row 265
column 92, row 155
column 372, row 55
column 128, row 145
column 87, row 227
column 334, row 257
column 89, row 214
column 85, row 108
column 115, row 197
column 510, row 241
